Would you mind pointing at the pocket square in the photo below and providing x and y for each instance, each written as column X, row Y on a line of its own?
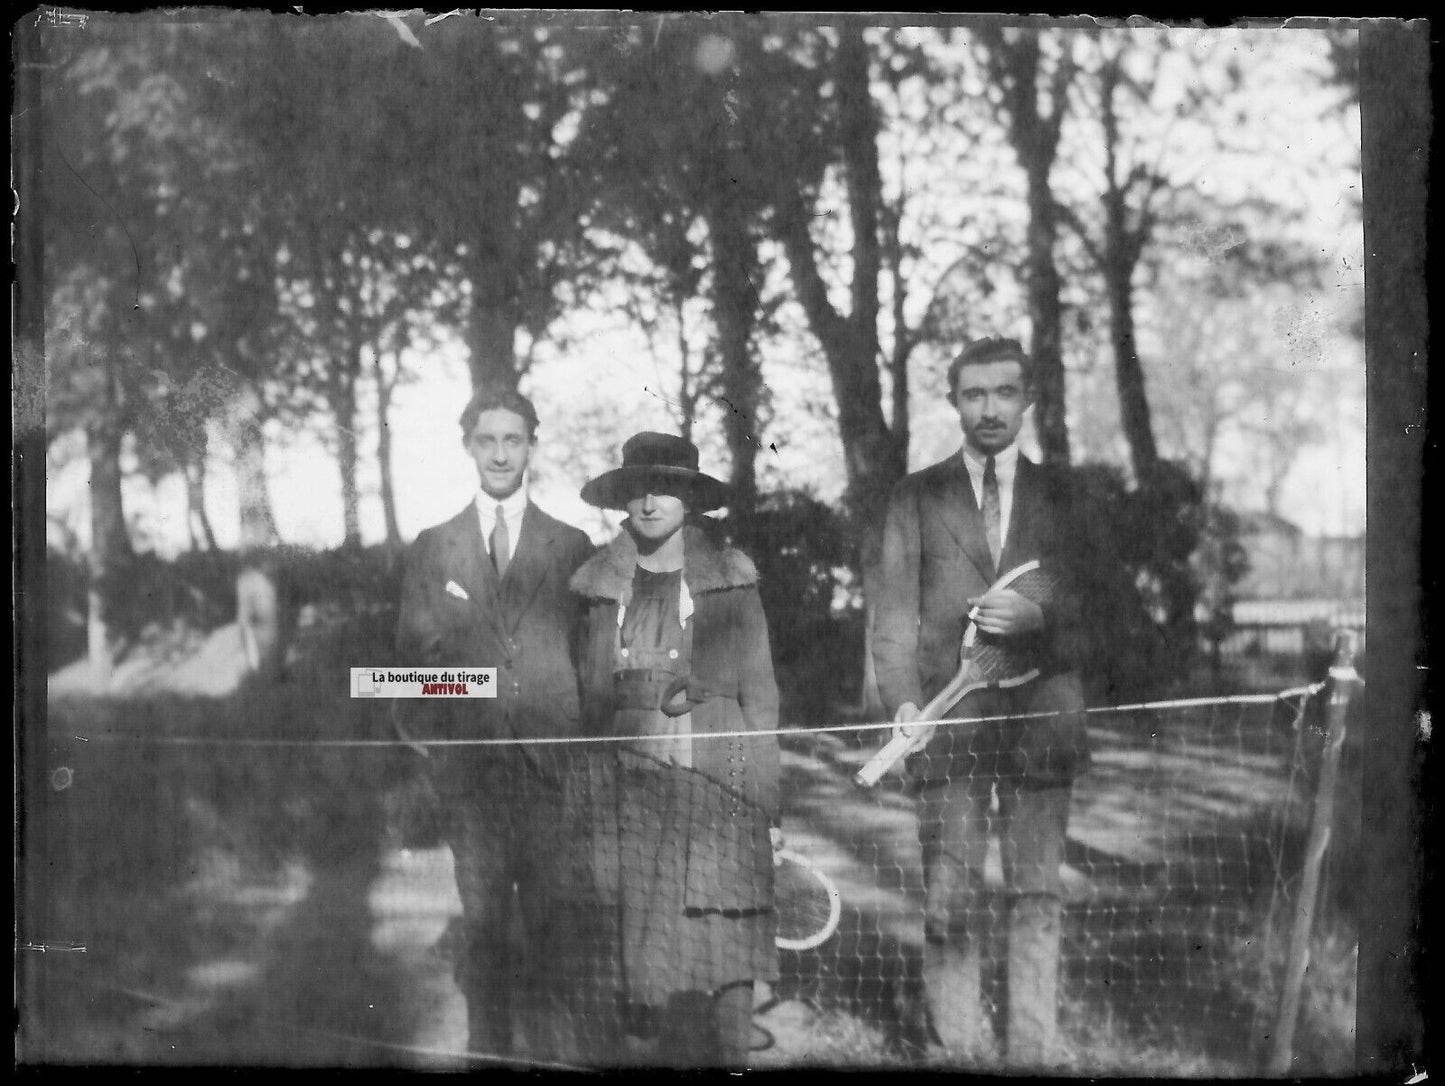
column 454, row 589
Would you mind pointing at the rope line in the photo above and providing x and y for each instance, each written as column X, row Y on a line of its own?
column 444, row 1053
column 351, row 1038
column 1304, row 692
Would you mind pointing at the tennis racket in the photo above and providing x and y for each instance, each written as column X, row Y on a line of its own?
column 805, row 902
column 984, row 663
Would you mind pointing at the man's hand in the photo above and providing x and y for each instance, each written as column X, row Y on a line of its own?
column 778, row 841
column 907, row 724
column 1006, row 613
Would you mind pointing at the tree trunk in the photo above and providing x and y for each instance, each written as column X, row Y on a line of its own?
column 858, row 124
column 1276, row 468
column 492, row 327
column 1035, row 137
column 344, row 404
column 260, row 617
column 110, row 547
column 1047, row 319
column 193, row 528
column 257, row 520
column 383, row 453
column 1207, row 482
column 1122, row 247
column 903, row 340
column 874, row 459
column 735, row 309
column 687, row 394
column 198, row 521
column 1134, row 415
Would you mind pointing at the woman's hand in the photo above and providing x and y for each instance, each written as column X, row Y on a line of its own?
column 779, row 841
column 683, row 695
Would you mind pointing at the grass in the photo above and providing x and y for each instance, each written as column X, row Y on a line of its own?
column 163, row 858
column 798, row 1034
column 1324, row 1039
column 1105, row 1032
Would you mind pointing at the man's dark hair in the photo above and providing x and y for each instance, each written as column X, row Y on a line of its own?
column 992, row 349
column 505, row 399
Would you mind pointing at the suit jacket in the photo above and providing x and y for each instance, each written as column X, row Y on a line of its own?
column 524, row 624
column 936, row 556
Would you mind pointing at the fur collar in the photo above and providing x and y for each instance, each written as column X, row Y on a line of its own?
column 706, row 567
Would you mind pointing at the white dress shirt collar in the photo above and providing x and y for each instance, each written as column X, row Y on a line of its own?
column 1005, row 462
column 513, row 507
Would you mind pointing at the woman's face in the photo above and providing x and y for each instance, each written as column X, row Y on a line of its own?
column 657, row 509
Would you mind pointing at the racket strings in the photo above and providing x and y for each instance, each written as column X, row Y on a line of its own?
column 994, row 659
column 1037, row 584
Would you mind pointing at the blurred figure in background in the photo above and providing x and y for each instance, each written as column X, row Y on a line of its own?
column 676, row 649
column 265, row 615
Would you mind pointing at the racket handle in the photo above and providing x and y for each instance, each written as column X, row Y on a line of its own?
column 872, row 772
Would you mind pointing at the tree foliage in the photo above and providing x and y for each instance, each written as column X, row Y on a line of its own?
column 264, row 223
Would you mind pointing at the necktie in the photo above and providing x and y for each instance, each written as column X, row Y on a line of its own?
column 992, row 511
column 501, row 544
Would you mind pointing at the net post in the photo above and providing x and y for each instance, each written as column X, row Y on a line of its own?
column 1343, row 681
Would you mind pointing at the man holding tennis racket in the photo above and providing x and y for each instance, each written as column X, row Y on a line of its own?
column 952, row 530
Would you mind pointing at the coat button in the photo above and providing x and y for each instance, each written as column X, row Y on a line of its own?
column 624, row 652
column 672, row 654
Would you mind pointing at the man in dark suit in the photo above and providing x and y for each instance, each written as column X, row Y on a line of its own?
column 488, row 588
column 952, row 529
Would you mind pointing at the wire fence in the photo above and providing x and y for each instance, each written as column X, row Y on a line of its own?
column 601, row 898
column 1180, row 857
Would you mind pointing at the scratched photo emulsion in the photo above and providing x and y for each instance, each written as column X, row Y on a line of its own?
column 584, row 540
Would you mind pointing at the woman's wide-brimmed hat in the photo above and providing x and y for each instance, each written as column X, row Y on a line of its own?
column 653, row 456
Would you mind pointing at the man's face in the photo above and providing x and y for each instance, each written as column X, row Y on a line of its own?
column 500, row 446
column 657, row 509
column 991, row 400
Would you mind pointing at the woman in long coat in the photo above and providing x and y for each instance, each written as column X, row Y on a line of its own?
column 676, row 651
